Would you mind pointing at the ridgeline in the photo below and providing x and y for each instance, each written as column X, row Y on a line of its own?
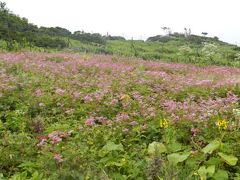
column 17, row 34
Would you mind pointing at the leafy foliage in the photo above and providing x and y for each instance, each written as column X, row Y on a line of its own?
column 78, row 116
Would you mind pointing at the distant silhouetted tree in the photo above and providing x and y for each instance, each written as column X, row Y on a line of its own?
column 109, row 37
column 167, row 30
column 88, row 37
column 187, row 32
column 55, row 31
column 3, row 6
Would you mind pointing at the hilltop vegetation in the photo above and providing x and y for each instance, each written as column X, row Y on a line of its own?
column 17, row 34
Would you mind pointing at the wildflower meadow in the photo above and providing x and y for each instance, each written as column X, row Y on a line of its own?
column 65, row 116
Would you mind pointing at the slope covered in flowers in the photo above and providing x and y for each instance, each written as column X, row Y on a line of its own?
column 71, row 116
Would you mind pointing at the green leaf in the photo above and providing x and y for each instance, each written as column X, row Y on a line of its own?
column 211, row 147
column 237, row 176
column 156, row 147
column 213, row 161
column 229, row 159
column 202, row 171
column 36, row 176
column 177, row 157
column 194, row 160
column 112, row 163
column 1, row 176
column 221, row 175
column 206, row 172
column 119, row 176
column 111, row 146
column 174, row 147
column 211, row 170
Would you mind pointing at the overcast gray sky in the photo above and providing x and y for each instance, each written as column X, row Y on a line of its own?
column 135, row 18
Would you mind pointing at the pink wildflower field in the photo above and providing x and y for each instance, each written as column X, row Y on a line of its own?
column 99, row 116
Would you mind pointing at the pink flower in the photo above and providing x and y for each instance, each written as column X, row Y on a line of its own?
column 76, row 95
column 122, row 117
column 42, row 141
column 203, row 82
column 60, row 92
column 38, row 93
column 195, row 131
column 53, row 134
column 114, row 102
column 88, row 98
column 125, row 130
column 58, row 158
column 90, row 122
column 56, row 140
column 133, row 123
column 55, row 137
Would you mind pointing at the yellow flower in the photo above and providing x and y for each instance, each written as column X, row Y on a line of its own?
column 222, row 124
column 163, row 123
column 86, row 57
column 125, row 97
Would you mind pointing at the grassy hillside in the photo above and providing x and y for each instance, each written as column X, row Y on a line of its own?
column 17, row 34
column 207, row 52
